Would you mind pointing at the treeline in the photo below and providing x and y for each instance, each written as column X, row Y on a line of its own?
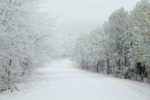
column 23, row 36
column 121, row 47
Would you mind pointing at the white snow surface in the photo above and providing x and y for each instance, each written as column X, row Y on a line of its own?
column 62, row 80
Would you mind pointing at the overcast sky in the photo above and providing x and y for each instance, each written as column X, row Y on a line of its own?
column 79, row 14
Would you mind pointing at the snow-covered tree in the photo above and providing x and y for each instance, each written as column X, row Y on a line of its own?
column 140, row 18
column 21, row 40
column 119, row 38
column 121, row 46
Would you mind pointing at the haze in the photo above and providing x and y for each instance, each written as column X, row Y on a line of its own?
column 82, row 15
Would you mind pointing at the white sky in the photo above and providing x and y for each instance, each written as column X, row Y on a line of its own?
column 74, row 14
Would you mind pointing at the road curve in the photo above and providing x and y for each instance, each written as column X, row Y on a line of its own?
column 61, row 80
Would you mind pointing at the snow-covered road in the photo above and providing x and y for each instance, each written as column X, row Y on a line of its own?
column 60, row 80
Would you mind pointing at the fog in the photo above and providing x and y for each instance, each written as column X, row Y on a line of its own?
column 61, row 49
column 80, row 16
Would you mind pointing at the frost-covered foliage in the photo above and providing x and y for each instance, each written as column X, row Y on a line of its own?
column 121, row 46
column 21, row 40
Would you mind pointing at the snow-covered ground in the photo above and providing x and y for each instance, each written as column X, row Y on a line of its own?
column 61, row 80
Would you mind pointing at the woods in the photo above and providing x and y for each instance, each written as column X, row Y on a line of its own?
column 74, row 49
column 120, row 47
column 21, row 40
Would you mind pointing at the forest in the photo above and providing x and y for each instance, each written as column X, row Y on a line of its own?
column 40, row 60
column 121, row 47
column 22, row 46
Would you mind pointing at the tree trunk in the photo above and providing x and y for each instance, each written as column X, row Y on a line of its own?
column 108, row 66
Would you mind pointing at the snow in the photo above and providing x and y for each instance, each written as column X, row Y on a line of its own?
column 62, row 80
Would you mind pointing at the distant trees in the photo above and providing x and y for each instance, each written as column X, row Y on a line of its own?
column 21, row 40
column 121, row 47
